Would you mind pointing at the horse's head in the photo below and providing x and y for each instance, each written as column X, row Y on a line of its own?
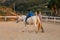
column 23, row 17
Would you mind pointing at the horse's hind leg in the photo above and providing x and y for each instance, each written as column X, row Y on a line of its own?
column 26, row 24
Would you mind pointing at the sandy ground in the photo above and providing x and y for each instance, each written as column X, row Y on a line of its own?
column 18, row 31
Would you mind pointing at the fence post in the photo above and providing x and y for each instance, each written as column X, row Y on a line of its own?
column 5, row 18
column 46, row 18
column 54, row 20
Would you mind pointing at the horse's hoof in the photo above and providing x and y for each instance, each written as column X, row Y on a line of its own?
column 30, row 31
column 23, row 31
column 36, row 31
column 43, row 31
column 16, row 21
column 25, row 25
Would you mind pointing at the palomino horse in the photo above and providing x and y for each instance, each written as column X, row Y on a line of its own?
column 36, row 21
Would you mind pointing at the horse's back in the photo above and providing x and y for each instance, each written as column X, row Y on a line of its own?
column 31, row 20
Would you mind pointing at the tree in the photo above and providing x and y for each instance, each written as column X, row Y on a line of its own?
column 54, row 5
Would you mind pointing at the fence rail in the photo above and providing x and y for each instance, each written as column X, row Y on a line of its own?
column 6, row 17
column 45, row 18
column 51, row 18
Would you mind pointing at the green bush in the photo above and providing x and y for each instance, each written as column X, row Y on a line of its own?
column 2, row 13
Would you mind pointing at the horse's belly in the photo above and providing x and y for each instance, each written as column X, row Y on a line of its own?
column 29, row 21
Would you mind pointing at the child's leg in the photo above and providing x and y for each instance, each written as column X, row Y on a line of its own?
column 42, row 29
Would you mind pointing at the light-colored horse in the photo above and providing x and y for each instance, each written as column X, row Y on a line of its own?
column 33, row 20
column 36, row 22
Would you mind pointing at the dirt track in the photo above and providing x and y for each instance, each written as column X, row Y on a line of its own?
column 18, row 31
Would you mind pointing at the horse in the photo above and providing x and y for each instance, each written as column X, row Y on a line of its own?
column 32, row 20
column 36, row 22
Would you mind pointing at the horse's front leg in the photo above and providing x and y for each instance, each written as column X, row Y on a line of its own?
column 17, row 20
column 25, row 24
column 25, row 21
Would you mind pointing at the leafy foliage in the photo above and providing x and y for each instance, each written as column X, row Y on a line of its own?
column 2, row 13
